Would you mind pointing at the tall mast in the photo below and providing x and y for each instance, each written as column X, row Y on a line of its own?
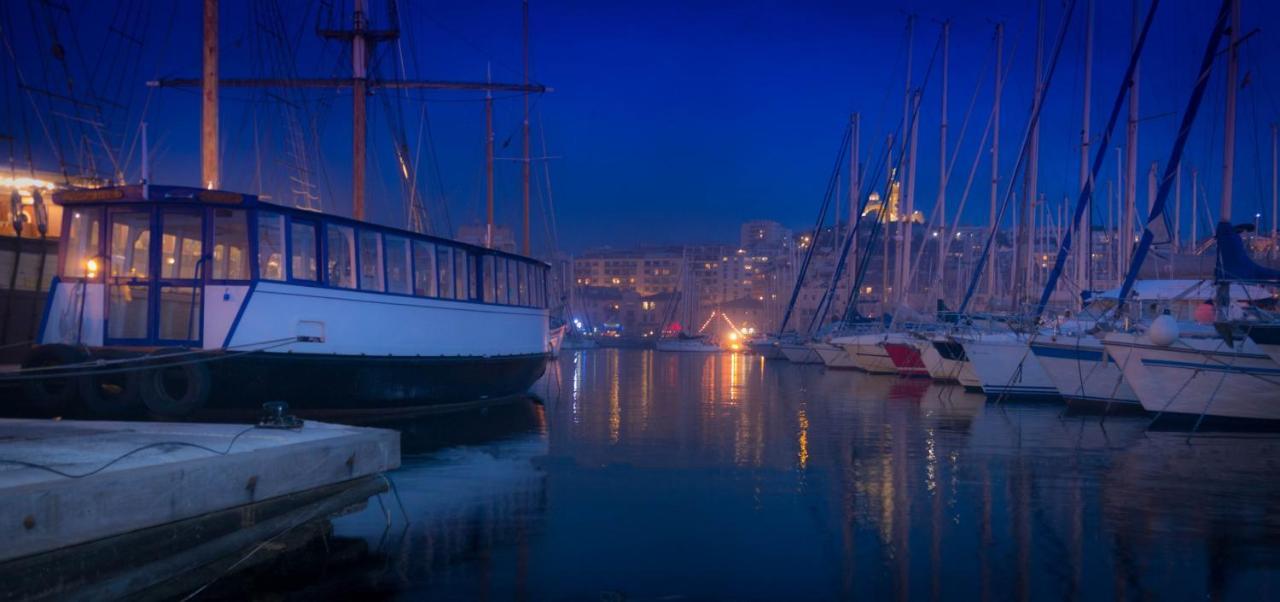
column 995, row 156
column 1229, row 131
column 855, row 185
column 1131, row 160
column 525, row 130
column 1085, row 244
column 359, row 91
column 940, row 207
column 1177, row 210
column 1195, row 220
column 908, row 221
column 209, row 175
column 1025, row 237
column 488, row 167
column 904, row 242
column 1275, row 184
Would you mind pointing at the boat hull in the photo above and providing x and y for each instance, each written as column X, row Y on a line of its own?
column 906, row 358
column 799, row 353
column 834, row 356
column 1199, row 376
column 946, row 362
column 1083, row 372
column 867, row 353
column 1007, row 368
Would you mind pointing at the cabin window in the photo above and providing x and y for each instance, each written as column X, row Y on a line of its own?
column 130, row 244
column 461, row 289
column 523, row 283
column 82, row 259
column 370, row 261
column 180, row 313
column 487, row 268
column 535, row 285
column 473, row 291
column 444, row 255
column 397, row 250
column 424, row 269
column 500, row 280
column 303, row 256
column 342, row 255
column 513, row 282
column 270, row 246
column 127, row 311
column 181, row 245
column 230, row 245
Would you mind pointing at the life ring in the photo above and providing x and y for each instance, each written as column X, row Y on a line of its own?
column 113, row 392
column 53, row 391
column 175, row 387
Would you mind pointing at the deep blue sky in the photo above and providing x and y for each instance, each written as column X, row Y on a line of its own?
column 670, row 121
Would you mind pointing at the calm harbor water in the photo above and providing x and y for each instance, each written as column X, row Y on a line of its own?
column 652, row 476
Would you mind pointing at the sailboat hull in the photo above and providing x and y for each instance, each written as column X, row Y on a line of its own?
column 946, row 362
column 867, row 353
column 799, row 353
column 834, row 356
column 1007, row 368
column 906, row 358
column 1199, row 376
column 1084, row 374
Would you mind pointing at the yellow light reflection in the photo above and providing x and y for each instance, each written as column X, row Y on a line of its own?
column 802, row 454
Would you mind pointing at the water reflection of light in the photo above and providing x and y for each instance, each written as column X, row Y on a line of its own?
column 930, row 462
column 575, row 387
column 646, row 389
column 615, row 404
column 802, row 439
column 735, row 377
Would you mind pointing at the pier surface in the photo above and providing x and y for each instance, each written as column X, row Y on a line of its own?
column 161, row 473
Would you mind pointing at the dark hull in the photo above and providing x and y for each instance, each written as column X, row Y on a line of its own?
column 362, row 384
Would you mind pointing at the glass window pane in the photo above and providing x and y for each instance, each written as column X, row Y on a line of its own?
column 370, row 261
column 472, row 275
column 424, row 269
column 127, row 312
column 523, row 282
column 513, row 282
column 82, row 244
column 303, row 263
column 180, row 313
column 342, row 256
column 181, row 244
column 397, row 250
column 130, row 243
column 445, row 269
column 488, row 276
column 461, row 289
column 230, row 245
column 500, row 281
column 270, row 246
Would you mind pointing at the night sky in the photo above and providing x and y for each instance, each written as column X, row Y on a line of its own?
column 669, row 121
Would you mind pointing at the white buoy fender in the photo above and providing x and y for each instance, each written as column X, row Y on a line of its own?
column 1163, row 331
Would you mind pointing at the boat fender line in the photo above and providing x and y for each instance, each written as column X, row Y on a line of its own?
column 55, row 392
column 173, row 389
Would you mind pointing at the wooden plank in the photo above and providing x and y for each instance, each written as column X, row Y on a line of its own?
column 41, row 511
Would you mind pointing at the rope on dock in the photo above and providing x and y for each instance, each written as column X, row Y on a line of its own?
column 46, row 468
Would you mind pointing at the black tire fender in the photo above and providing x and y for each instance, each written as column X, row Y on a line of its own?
column 175, row 387
column 113, row 392
column 52, row 392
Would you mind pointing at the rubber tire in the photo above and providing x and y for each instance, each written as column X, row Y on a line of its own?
column 102, row 402
column 53, row 396
column 154, row 385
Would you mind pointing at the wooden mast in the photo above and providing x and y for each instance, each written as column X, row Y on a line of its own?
column 525, row 243
column 488, row 169
column 359, row 95
column 209, row 175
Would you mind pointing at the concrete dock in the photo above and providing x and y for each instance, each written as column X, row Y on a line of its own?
column 109, row 509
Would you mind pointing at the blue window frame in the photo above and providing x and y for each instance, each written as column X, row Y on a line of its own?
column 424, row 269
column 340, row 254
column 371, row 276
column 444, row 270
column 399, row 276
column 270, row 246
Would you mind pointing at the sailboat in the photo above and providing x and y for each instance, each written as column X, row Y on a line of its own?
column 1228, row 375
column 184, row 298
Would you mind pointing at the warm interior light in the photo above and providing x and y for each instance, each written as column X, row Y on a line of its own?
column 733, row 336
column 91, row 266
